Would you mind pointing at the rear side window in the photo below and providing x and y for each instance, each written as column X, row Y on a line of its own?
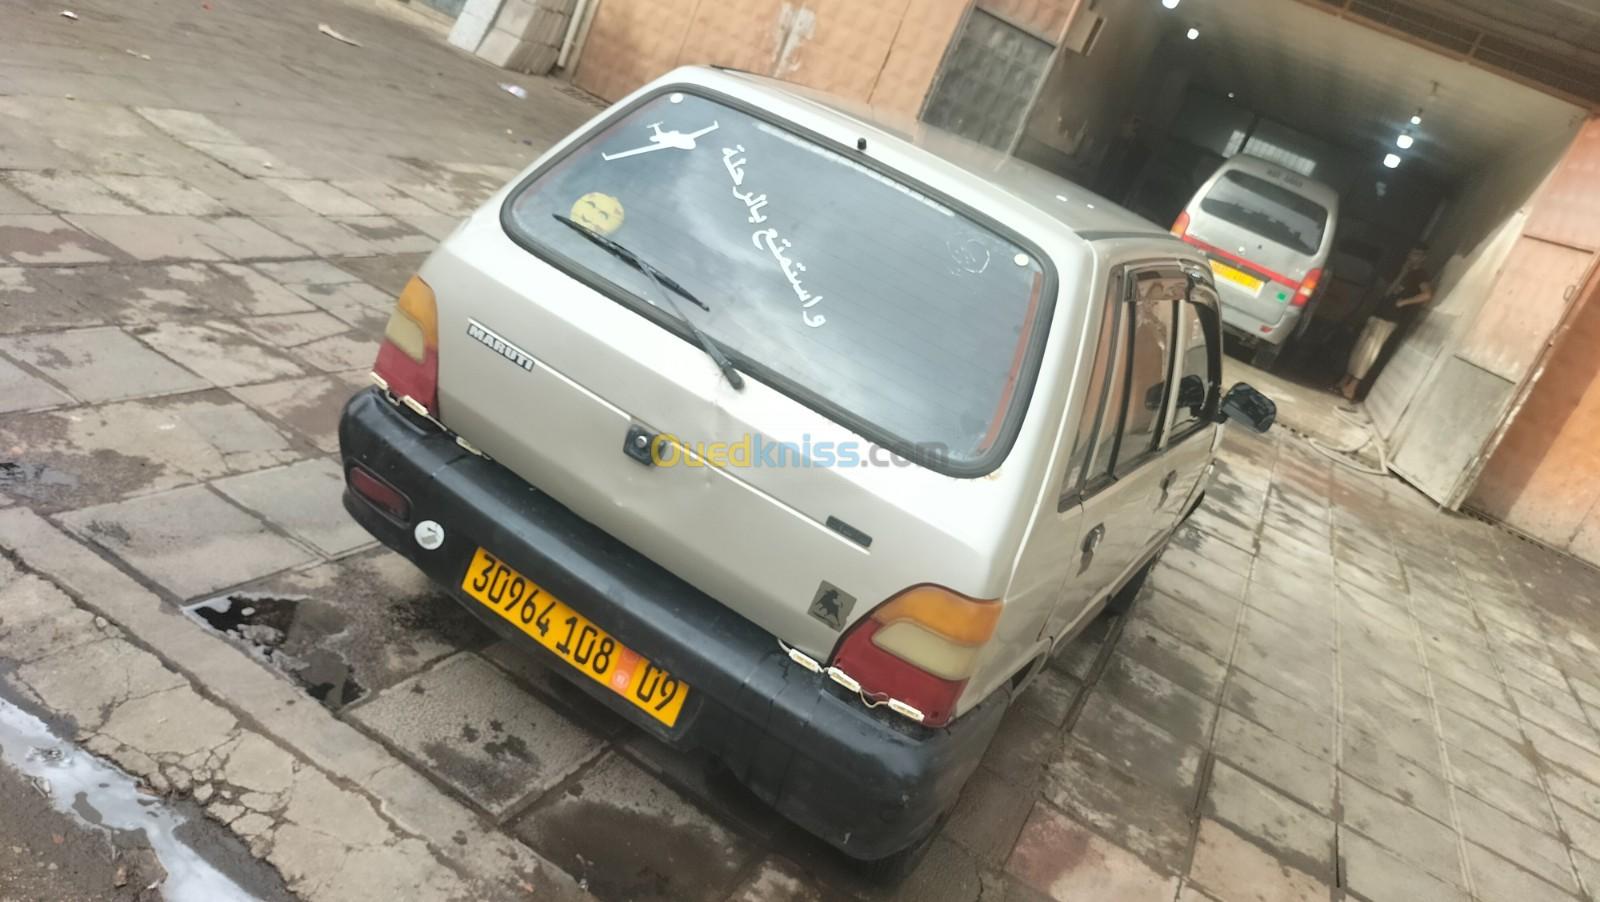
column 1197, row 385
column 1269, row 210
column 1149, row 363
column 860, row 295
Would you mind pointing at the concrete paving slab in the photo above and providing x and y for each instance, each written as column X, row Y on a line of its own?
column 20, row 390
column 1160, row 701
column 388, row 235
column 1373, row 872
column 145, row 237
column 224, row 353
column 1094, row 869
column 1178, row 661
column 1496, row 878
column 1277, row 763
column 630, row 837
column 1137, row 746
column 1371, row 759
column 1531, row 849
column 91, row 455
column 1231, row 867
column 302, row 499
column 357, row 303
column 264, row 297
column 188, row 126
column 1296, row 835
column 68, row 192
column 12, row 203
column 1526, row 802
column 310, row 406
column 479, row 732
column 324, row 237
column 241, row 238
column 1151, row 821
column 390, row 273
column 32, row 302
column 247, row 160
column 1280, row 714
column 102, row 364
column 1409, row 834
column 159, row 194
column 306, row 272
column 384, row 197
column 339, row 353
column 294, row 329
column 320, row 197
column 188, row 540
column 437, row 226
column 42, row 239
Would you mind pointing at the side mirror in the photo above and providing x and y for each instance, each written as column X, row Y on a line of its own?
column 1248, row 406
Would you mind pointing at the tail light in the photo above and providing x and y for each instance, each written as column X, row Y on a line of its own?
column 919, row 648
column 1180, row 226
column 1308, row 287
column 380, row 494
column 408, row 358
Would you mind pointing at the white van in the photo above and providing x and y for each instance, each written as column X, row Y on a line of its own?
column 1267, row 233
column 790, row 439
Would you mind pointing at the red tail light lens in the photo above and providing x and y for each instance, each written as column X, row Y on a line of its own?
column 919, row 647
column 408, row 358
column 1308, row 287
column 1180, row 227
column 382, row 495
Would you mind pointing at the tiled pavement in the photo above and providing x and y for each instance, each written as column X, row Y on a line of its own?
column 1328, row 690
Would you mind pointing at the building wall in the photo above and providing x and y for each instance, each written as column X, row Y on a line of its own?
column 1071, row 128
column 1543, row 477
column 884, row 53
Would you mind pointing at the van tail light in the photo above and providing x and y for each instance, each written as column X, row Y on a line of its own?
column 1308, row 287
column 1180, row 226
column 378, row 493
column 408, row 358
column 919, row 647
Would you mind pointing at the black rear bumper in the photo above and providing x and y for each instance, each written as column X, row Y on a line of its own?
column 867, row 782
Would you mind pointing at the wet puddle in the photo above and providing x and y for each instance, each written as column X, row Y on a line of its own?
column 18, row 477
column 262, row 623
column 102, row 798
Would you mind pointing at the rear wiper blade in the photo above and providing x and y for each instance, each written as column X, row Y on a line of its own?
column 666, row 286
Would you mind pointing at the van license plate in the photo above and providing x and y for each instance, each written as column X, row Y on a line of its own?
column 527, row 606
column 1236, row 276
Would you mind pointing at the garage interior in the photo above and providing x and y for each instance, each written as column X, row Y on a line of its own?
column 1491, row 401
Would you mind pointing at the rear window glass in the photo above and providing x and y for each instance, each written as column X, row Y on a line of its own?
column 845, row 288
column 1271, row 211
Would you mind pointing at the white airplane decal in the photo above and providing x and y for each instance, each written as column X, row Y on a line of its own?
column 660, row 140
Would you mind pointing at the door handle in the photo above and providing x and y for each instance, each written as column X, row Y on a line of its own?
column 1166, row 486
column 1093, row 539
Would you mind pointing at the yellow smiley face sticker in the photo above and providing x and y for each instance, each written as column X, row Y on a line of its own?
column 599, row 213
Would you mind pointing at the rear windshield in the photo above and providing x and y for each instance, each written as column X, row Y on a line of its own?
column 855, row 293
column 1271, row 211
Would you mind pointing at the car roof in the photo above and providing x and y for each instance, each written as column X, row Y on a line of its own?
column 1082, row 211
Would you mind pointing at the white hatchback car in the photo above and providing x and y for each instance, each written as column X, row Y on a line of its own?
column 791, row 438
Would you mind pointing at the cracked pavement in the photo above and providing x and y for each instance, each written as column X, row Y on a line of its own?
column 1329, row 690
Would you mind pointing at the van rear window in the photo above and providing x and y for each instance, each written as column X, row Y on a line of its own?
column 858, row 294
column 1271, row 211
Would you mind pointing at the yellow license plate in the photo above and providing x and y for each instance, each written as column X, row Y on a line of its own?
column 1237, row 277
column 527, row 606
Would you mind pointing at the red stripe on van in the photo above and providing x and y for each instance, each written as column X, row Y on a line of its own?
column 1235, row 258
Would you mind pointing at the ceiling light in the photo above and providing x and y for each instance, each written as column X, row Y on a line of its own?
column 1404, row 141
column 1170, row 4
column 1230, row 95
column 1416, row 119
column 1392, row 161
column 1194, row 33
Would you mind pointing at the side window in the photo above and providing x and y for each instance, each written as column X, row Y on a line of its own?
column 1105, row 437
column 1149, row 365
column 1196, row 384
column 1105, row 361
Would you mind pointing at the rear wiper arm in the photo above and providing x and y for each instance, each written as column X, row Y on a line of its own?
column 666, row 286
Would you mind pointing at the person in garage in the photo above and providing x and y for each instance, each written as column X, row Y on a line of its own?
column 1399, row 308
